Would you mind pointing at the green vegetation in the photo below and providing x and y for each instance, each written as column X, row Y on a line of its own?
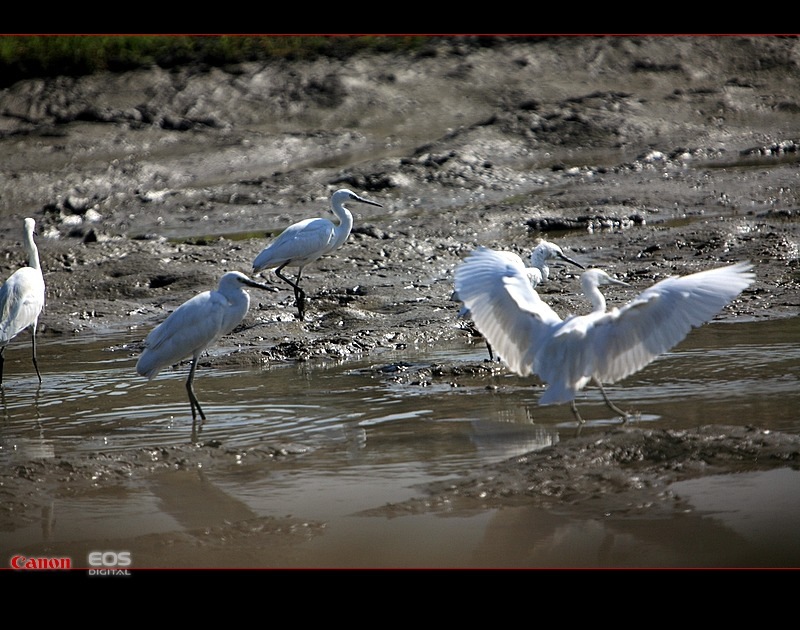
column 28, row 56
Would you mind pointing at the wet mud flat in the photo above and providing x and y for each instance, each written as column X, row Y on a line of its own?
column 644, row 156
column 625, row 471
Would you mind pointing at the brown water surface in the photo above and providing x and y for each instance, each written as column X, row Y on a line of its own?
column 364, row 438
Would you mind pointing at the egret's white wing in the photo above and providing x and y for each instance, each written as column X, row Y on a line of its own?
column 21, row 302
column 188, row 329
column 495, row 287
column 626, row 340
column 534, row 276
column 303, row 242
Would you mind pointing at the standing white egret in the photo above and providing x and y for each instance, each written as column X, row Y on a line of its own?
column 603, row 346
column 194, row 326
column 22, row 299
column 537, row 273
column 305, row 241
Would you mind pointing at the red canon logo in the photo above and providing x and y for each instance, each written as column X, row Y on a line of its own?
column 22, row 562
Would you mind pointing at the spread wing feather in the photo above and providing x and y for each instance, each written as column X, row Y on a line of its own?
column 508, row 312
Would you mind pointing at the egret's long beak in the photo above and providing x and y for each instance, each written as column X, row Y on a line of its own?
column 257, row 285
column 372, row 203
column 569, row 260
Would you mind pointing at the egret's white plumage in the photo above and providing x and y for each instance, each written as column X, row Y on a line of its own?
column 537, row 273
column 545, row 251
column 194, row 326
column 603, row 346
column 22, row 299
column 305, row 241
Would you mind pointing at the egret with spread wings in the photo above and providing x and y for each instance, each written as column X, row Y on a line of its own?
column 604, row 346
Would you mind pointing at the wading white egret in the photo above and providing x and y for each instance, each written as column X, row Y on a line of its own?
column 537, row 273
column 194, row 326
column 603, row 346
column 22, row 299
column 305, row 241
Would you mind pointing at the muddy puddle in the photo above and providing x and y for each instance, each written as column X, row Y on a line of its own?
column 368, row 433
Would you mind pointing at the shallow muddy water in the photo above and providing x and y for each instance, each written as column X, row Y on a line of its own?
column 366, row 434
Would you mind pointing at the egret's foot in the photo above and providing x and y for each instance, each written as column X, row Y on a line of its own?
column 630, row 416
column 300, row 300
column 577, row 415
column 621, row 412
column 196, row 428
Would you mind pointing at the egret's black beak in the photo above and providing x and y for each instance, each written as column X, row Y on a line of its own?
column 569, row 260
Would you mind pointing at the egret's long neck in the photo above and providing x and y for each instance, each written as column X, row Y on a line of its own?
column 345, row 225
column 33, row 251
column 537, row 259
column 545, row 271
column 597, row 299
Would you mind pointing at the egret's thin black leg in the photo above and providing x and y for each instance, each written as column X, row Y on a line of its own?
column 33, row 347
column 284, row 278
column 299, row 294
column 2, row 362
column 192, row 398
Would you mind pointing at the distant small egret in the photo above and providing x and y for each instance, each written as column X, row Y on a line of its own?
column 544, row 251
column 305, row 241
column 537, row 273
column 194, row 326
column 603, row 346
column 22, row 299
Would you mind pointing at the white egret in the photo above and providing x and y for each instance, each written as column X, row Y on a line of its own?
column 603, row 346
column 305, row 241
column 194, row 326
column 544, row 251
column 537, row 273
column 22, row 299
